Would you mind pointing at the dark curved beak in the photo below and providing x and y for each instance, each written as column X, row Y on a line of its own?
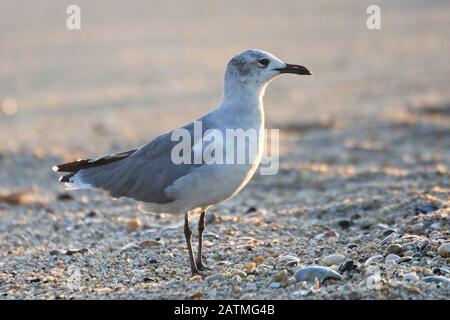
column 294, row 68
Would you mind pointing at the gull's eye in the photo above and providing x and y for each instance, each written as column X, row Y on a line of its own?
column 264, row 62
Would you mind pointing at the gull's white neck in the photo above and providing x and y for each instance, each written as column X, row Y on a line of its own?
column 242, row 104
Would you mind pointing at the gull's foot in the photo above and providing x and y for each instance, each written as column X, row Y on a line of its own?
column 202, row 267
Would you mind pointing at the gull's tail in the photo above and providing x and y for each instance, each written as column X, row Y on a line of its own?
column 74, row 180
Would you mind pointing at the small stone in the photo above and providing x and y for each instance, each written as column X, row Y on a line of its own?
column 133, row 225
column 240, row 274
column 250, row 266
column 258, row 260
column 64, row 197
column 389, row 239
column 374, row 259
column 275, row 285
column 345, row 224
column 310, row 273
column 435, row 235
column 215, row 277
column 423, row 245
column 76, row 251
column 197, row 277
column 426, row 208
column 281, row 276
column 408, row 253
column 333, row 259
column 388, row 232
column 251, row 209
column 392, row 258
column 394, row 248
column 210, row 217
column 444, row 250
column 410, row 277
column 436, row 279
column 417, row 228
column 327, row 234
column 404, row 259
column 441, row 271
column 197, row 295
column 91, row 214
column 129, row 247
column 247, row 296
column 149, row 243
column 290, row 261
column 346, row 266
column 56, row 253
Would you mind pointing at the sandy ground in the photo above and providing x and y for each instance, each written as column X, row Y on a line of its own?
column 364, row 164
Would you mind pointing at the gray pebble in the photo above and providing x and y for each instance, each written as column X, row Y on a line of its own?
column 310, row 273
column 394, row 248
column 436, row 279
column 374, row 259
column 346, row 266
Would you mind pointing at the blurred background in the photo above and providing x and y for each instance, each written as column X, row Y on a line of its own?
column 136, row 70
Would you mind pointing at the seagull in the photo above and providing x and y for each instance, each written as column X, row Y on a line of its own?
column 150, row 176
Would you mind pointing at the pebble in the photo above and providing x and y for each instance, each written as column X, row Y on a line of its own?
column 444, row 250
column 75, row 251
column 215, row 277
column 258, row 260
column 133, row 225
column 345, row 224
column 374, row 259
column 436, row 279
column 333, row 259
column 149, row 243
column 247, row 296
column 408, row 253
column 441, row 271
column 388, row 239
column 290, row 261
column 64, row 197
column 327, row 234
column 389, row 232
column 130, row 247
column 346, row 266
column 196, row 278
column 240, row 274
column 56, row 253
column 410, row 277
column 210, row 217
column 426, row 208
column 310, row 273
column 275, row 285
column 392, row 258
column 423, row 245
column 418, row 227
column 281, row 276
column 404, row 259
column 394, row 248
column 250, row 266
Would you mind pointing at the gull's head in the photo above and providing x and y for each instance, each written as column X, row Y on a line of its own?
column 256, row 68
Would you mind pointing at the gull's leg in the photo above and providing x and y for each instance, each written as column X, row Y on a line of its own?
column 201, row 228
column 188, row 236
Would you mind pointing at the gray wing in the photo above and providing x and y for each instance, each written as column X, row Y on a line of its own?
column 143, row 175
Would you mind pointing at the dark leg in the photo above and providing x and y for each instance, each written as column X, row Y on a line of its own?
column 188, row 236
column 201, row 228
